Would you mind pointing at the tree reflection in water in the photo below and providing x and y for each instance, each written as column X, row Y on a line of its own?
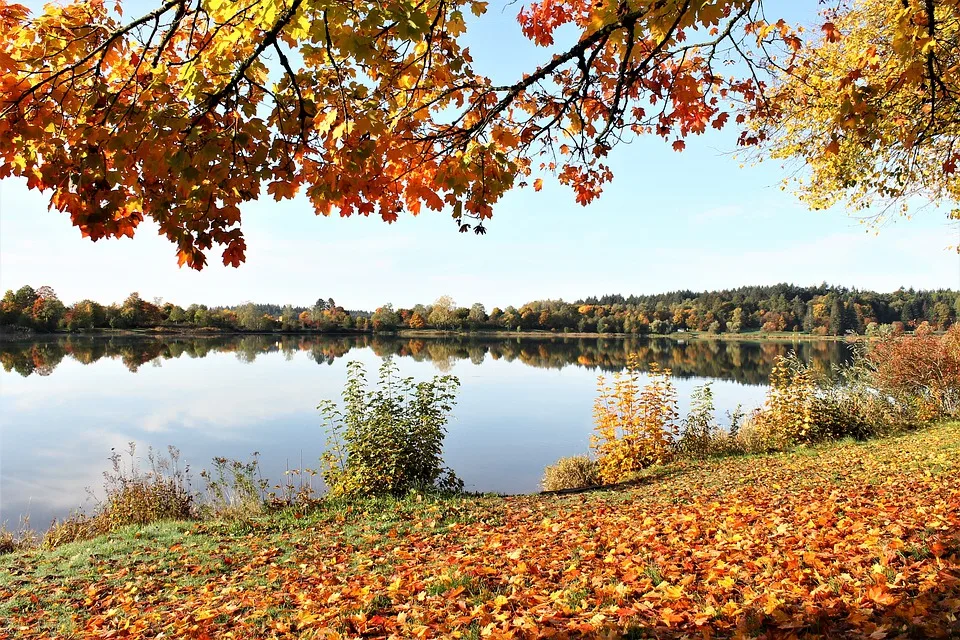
column 740, row 361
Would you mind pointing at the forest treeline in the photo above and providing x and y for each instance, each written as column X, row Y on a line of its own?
column 817, row 310
column 742, row 361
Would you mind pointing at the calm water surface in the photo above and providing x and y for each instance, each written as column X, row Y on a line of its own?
column 523, row 403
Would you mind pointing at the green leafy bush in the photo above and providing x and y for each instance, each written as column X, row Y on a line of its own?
column 700, row 436
column 388, row 440
column 575, row 472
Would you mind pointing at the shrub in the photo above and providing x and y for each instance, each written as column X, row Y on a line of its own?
column 234, row 489
column 634, row 427
column 923, row 329
column 11, row 541
column 701, row 435
column 389, row 440
column 852, row 405
column 736, row 418
column 575, row 472
column 754, row 436
column 805, row 406
column 133, row 497
column 787, row 416
column 79, row 526
column 8, row 543
column 925, row 367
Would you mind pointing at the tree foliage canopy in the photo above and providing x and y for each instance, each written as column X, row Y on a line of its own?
column 186, row 112
column 871, row 106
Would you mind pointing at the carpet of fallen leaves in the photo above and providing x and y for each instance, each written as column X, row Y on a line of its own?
column 848, row 540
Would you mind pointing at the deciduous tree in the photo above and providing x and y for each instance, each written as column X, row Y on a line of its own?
column 185, row 112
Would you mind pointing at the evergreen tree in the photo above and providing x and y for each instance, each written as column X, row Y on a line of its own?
column 838, row 318
column 851, row 322
column 808, row 321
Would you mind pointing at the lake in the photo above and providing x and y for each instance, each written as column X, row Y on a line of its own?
column 523, row 403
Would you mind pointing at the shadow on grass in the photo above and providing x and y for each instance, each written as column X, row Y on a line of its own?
column 647, row 477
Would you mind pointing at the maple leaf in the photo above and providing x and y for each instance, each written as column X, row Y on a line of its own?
column 281, row 189
column 234, row 254
column 830, row 31
column 880, row 595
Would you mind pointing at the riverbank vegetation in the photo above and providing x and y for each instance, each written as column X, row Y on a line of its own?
column 768, row 310
column 889, row 386
column 389, row 439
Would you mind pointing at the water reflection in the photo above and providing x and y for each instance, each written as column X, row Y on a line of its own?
column 743, row 362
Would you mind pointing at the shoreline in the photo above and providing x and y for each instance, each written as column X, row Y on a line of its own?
column 756, row 336
column 165, row 332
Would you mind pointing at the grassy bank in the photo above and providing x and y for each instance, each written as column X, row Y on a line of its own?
column 847, row 539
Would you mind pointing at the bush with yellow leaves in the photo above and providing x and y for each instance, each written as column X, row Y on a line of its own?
column 805, row 406
column 634, row 427
column 788, row 416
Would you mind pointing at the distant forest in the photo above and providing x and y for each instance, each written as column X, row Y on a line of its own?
column 818, row 310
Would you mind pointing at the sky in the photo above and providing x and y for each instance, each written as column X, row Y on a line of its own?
column 693, row 220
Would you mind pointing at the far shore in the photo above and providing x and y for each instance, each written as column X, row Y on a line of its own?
column 192, row 332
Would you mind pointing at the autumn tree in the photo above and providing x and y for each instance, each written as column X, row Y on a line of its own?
column 736, row 321
column 184, row 113
column 47, row 310
column 417, row 321
column 441, row 313
column 385, row 318
column 870, row 107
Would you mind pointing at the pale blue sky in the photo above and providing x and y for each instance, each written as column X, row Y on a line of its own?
column 692, row 220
